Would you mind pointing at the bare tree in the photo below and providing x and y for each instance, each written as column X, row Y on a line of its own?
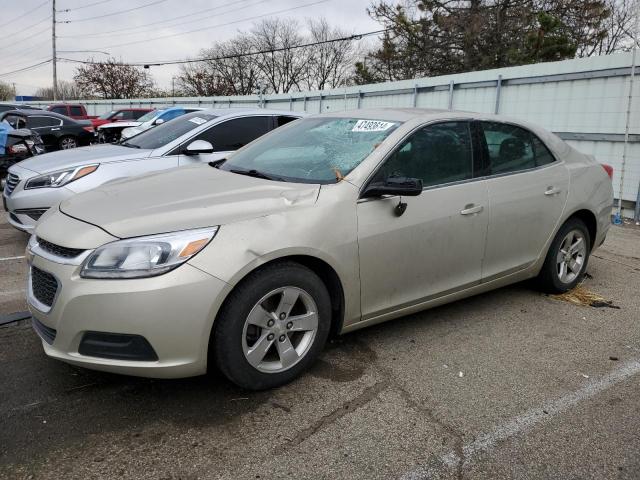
column 330, row 64
column 622, row 28
column 6, row 91
column 199, row 79
column 113, row 79
column 66, row 91
column 238, row 70
column 283, row 67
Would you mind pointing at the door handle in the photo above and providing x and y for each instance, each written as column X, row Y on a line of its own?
column 55, row 129
column 551, row 191
column 471, row 209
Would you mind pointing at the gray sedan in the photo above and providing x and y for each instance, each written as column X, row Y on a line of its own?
column 34, row 185
column 327, row 225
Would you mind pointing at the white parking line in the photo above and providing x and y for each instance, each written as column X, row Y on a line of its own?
column 487, row 441
column 2, row 259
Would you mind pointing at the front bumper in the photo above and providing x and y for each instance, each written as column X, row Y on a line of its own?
column 174, row 312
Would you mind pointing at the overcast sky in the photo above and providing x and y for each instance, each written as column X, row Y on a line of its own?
column 27, row 40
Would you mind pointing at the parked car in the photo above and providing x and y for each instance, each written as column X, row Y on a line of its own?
column 113, row 132
column 17, row 145
column 57, row 131
column 122, row 115
column 71, row 110
column 329, row 224
column 16, row 106
column 196, row 137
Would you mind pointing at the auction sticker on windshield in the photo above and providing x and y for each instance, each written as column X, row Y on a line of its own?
column 371, row 126
column 198, row 120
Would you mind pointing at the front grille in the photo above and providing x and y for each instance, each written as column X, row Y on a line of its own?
column 33, row 213
column 11, row 183
column 46, row 333
column 44, row 286
column 58, row 250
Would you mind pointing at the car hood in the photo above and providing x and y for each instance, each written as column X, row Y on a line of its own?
column 184, row 198
column 50, row 162
column 120, row 125
column 131, row 131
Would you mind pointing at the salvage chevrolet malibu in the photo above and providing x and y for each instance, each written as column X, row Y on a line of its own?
column 326, row 225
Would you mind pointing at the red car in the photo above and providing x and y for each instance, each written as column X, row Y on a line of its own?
column 122, row 115
column 73, row 110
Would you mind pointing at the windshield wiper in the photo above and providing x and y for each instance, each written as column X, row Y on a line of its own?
column 256, row 174
column 130, row 145
column 217, row 163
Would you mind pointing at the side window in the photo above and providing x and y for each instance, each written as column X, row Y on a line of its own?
column 61, row 110
column 136, row 114
column 283, row 120
column 436, row 154
column 542, row 153
column 236, row 133
column 122, row 115
column 39, row 122
column 15, row 121
column 76, row 111
column 510, row 147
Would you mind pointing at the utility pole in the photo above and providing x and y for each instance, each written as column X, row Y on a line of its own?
column 53, row 45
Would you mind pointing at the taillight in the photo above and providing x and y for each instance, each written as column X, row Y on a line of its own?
column 608, row 169
column 88, row 129
column 18, row 148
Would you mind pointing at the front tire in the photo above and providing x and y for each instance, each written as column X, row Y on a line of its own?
column 567, row 259
column 272, row 327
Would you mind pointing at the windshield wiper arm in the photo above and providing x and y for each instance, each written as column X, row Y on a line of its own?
column 130, row 145
column 256, row 174
column 217, row 163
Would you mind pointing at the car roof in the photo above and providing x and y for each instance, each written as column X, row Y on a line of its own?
column 227, row 112
column 38, row 113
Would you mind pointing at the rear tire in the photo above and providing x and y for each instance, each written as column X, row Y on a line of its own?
column 567, row 258
column 67, row 142
column 272, row 327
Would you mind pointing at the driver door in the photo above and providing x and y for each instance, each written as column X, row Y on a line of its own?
column 227, row 137
column 436, row 246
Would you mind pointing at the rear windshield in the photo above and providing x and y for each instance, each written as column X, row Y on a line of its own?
column 161, row 135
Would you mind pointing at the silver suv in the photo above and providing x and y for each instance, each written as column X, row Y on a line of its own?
column 35, row 185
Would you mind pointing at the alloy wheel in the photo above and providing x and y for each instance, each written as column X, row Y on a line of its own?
column 68, row 143
column 280, row 329
column 571, row 256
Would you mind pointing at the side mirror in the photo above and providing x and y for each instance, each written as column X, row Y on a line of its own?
column 197, row 147
column 159, row 121
column 404, row 186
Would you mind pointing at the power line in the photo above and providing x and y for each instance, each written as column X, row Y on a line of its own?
column 211, row 26
column 21, row 53
column 26, row 13
column 358, row 36
column 114, row 13
column 24, row 40
column 24, row 29
column 84, row 6
column 30, row 67
column 138, row 27
column 22, row 62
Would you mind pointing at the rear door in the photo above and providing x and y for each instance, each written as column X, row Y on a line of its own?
column 227, row 137
column 48, row 128
column 527, row 194
column 435, row 247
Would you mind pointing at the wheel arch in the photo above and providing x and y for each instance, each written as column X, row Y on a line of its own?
column 590, row 220
column 320, row 267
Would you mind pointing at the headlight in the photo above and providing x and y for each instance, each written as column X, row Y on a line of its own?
column 146, row 256
column 60, row 178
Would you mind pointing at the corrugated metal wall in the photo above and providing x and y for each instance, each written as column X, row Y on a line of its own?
column 584, row 100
